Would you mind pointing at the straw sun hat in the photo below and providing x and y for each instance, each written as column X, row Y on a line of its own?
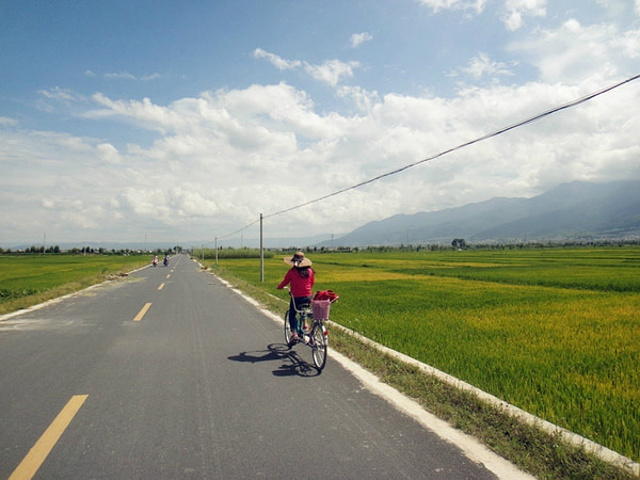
column 298, row 260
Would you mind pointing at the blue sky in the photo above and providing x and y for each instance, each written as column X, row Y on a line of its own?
column 184, row 121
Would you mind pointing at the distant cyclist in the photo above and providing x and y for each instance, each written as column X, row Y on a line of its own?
column 301, row 277
column 166, row 260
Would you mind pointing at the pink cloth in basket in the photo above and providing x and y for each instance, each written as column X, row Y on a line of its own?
column 321, row 309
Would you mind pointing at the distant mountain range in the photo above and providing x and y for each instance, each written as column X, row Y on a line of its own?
column 572, row 211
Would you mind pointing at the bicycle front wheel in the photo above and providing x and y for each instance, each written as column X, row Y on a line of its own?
column 320, row 338
column 287, row 328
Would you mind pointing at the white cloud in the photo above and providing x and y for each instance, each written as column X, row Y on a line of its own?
column 437, row 5
column 481, row 65
column 170, row 204
column 152, row 117
column 52, row 99
column 574, row 52
column 108, row 153
column 57, row 93
column 124, row 76
column 83, row 217
column 516, row 10
column 332, row 71
column 149, row 77
column 629, row 43
column 120, row 76
column 8, row 122
column 57, row 184
column 358, row 39
column 362, row 98
column 278, row 62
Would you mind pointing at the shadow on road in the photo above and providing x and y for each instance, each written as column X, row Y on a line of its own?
column 293, row 364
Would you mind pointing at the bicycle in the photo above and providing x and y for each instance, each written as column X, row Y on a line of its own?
column 315, row 335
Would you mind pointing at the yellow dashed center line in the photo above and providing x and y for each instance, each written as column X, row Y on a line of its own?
column 39, row 452
column 161, row 286
column 142, row 312
column 168, row 275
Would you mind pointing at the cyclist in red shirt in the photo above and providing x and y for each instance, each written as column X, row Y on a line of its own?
column 301, row 277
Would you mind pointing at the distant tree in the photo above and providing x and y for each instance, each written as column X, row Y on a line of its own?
column 459, row 243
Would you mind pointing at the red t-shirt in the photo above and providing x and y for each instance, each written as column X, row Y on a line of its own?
column 300, row 286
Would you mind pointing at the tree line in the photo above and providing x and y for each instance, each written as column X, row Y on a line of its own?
column 56, row 250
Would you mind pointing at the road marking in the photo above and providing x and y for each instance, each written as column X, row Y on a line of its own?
column 142, row 312
column 168, row 275
column 161, row 286
column 39, row 452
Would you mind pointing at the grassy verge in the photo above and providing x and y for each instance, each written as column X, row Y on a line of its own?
column 544, row 455
column 31, row 280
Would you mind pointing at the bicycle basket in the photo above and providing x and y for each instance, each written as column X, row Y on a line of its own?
column 321, row 309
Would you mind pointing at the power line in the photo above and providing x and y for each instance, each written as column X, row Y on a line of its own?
column 239, row 230
column 535, row 118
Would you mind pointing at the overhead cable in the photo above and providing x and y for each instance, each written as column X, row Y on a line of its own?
column 239, row 230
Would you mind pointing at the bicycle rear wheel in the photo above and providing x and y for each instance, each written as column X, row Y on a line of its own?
column 287, row 328
column 320, row 344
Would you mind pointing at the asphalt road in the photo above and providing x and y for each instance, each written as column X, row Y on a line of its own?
column 200, row 386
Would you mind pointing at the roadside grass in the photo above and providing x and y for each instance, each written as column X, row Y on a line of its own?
column 544, row 455
column 32, row 279
column 566, row 353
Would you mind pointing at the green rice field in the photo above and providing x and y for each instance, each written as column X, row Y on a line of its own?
column 555, row 332
column 29, row 279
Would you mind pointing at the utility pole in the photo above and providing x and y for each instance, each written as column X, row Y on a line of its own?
column 261, row 253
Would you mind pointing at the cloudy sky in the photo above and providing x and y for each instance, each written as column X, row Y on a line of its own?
column 177, row 121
